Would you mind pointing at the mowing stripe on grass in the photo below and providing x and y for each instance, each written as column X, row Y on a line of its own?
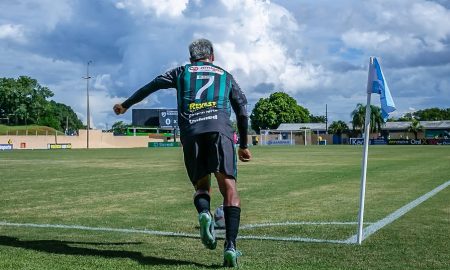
column 371, row 229
column 220, row 234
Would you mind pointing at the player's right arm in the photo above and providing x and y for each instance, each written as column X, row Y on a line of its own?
column 164, row 81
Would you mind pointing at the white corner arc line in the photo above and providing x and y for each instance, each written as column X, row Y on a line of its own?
column 294, row 239
column 293, row 223
column 373, row 228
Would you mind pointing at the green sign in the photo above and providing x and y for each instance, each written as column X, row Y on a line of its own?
column 164, row 144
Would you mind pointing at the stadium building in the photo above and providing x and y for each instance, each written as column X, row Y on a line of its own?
column 313, row 133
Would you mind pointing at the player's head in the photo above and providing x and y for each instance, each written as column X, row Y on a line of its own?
column 201, row 49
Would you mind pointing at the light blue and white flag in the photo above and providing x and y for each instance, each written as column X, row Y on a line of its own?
column 377, row 84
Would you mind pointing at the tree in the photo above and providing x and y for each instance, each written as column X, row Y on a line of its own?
column 49, row 121
column 119, row 127
column 26, row 101
column 359, row 114
column 58, row 116
column 23, row 98
column 317, row 118
column 338, row 128
column 405, row 118
column 415, row 127
column 432, row 114
column 278, row 108
column 21, row 113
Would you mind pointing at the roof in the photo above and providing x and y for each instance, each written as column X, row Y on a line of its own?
column 444, row 124
column 396, row 125
column 298, row 126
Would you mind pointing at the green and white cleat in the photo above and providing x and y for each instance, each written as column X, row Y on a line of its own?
column 230, row 256
column 207, row 233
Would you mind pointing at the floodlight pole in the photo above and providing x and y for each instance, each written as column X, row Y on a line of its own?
column 88, row 120
column 365, row 157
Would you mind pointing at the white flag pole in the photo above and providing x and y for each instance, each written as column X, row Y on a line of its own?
column 365, row 155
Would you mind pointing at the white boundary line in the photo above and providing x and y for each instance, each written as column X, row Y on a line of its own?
column 101, row 229
column 369, row 230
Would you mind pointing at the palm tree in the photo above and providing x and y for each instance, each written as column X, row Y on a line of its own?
column 359, row 114
column 338, row 128
column 415, row 127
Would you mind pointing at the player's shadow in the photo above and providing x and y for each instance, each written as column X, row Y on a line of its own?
column 66, row 248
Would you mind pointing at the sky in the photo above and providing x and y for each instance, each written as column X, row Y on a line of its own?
column 316, row 51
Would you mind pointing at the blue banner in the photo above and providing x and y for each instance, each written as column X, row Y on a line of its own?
column 279, row 142
column 378, row 141
column 6, row 147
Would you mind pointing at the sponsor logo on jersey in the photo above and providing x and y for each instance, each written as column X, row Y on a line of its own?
column 205, row 69
column 211, row 117
column 198, row 106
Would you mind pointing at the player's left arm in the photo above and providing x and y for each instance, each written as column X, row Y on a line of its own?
column 238, row 103
column 164, row 81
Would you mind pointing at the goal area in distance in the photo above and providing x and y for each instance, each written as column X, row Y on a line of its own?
column 285, row 137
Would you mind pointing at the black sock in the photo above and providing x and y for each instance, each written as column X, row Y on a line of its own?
column 201, row 202
column 232, row 218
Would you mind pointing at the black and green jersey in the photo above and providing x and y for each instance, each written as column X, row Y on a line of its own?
column 205, row 95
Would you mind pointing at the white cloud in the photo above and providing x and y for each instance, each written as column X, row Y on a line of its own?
column 406, row 28
column 161, row 8
column 367, row 40
column 251, row 45
column 38, row 15
column 12, row 32
column 103, row 82
column 430, row 19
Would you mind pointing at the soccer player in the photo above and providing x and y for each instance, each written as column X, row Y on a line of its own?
column 205, row 95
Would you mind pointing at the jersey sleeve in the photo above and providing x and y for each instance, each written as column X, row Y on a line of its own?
column 238, row 103
column 164, row 81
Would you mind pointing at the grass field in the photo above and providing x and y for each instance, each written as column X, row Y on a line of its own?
column 148, row 189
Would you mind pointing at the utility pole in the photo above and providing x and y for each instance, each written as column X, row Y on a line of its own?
column 88, row 120
column 67, row 125
column 326, row 118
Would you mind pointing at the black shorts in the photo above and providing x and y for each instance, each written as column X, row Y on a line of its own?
column 209, row 153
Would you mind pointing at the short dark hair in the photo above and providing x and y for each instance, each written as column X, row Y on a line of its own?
column 200, row 49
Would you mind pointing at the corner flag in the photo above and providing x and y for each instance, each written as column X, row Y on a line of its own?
column 378, row 85
column 375, row 84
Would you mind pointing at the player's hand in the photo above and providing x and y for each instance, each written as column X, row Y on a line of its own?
column 244, row 154
column 118, row 109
